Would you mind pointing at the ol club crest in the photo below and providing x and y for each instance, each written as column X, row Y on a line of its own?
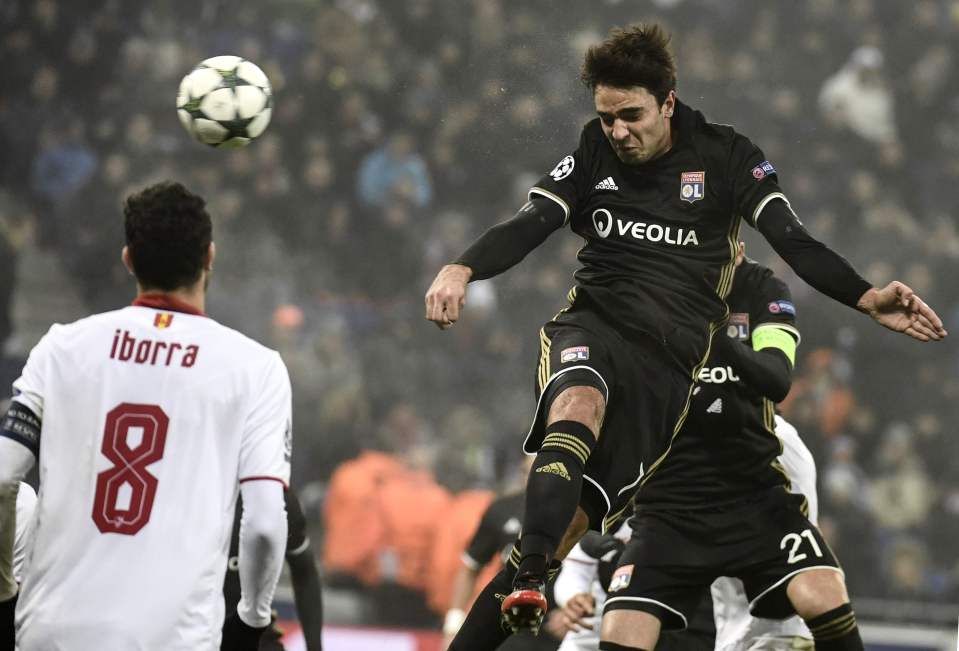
column 692, row 186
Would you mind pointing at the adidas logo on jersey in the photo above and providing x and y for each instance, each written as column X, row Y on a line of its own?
column 556, row 468
column 716, row 407
column 607, row 184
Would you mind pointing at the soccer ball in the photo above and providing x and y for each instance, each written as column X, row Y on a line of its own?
column 226, row 101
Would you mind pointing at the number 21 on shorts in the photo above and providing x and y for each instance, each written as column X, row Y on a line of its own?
column 795, row 539
column 128, row 476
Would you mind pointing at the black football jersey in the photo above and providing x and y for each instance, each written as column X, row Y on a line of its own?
column 727, row 448
column 497, row 531
column 660, row 238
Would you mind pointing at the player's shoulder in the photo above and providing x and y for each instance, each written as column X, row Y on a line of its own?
column 62, row 334
column 756, row 274
column 592, row 140
column 234, row 339
column 753, row 281
column 593, row 132
column 723, row 139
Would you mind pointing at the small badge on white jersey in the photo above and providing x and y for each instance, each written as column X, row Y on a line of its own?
column 563, row 168
column 692, row 186
column 621, row 578
column 162, row 320
column 574, row 354
column 738, row 327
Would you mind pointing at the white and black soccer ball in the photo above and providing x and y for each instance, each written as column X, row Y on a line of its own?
column 226, row 101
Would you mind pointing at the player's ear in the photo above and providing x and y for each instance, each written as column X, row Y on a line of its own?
column 670, row 104
column 210, row 255
column 127, row 262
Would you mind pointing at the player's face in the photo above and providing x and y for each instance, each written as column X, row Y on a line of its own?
column 635, row 124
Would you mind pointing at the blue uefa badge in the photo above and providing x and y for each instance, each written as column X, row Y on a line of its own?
column 763, row 170
column 782, row 307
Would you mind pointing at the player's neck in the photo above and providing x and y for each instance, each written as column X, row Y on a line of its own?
column 670, row 133
column 193, row 297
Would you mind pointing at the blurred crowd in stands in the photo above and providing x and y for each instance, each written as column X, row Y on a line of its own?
column 405, row 128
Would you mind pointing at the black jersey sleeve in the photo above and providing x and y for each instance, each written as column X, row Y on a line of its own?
column 296, row 539
column 814, row 262
column 486, row 541
column 767, row 372
column 755, row 181
column 567, row 183
column 506, row 244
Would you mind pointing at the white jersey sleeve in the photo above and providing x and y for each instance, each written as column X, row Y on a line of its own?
column 799, row 464
column 736, row 629
column 263, row 532
column 26, row 504
column 577, row 576
column 30, row 388
column 267, row 444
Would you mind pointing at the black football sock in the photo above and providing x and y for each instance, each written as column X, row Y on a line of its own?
column 836, row 630
column 552, row 493
column 482, row 630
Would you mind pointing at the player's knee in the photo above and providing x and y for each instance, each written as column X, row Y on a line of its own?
column 629, row 629
column 816, row 592
column 584, row 404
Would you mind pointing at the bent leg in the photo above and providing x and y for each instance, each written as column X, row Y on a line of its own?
column 820, row 598
column 555, row 481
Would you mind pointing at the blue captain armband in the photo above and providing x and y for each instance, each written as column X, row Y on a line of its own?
column 23, row 426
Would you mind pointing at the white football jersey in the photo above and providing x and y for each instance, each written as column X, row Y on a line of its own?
column 736, row 629
column 151, row 417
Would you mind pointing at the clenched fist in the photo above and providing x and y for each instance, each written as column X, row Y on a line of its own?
column 447, row 295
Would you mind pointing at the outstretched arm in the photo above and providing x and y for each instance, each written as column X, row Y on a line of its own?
column 895, row 306
column 498, row 249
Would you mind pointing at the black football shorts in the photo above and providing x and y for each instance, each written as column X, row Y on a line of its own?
column 645, row 396
column 674, row 554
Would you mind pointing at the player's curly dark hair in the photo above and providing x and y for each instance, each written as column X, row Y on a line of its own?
column 168, row 233
column 635, row 56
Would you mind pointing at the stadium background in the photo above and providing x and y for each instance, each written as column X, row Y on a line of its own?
column 403, row 129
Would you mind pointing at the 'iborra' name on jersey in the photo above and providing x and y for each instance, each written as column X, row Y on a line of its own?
column 603, row 221
column 146, row 351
